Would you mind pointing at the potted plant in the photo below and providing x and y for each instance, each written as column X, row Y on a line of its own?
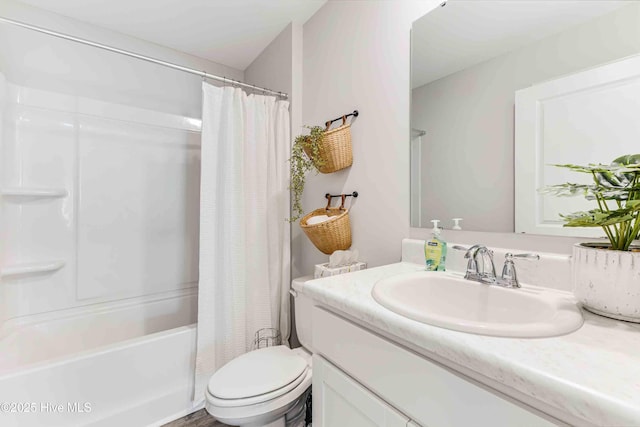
column 606, row 275
column 306, row 154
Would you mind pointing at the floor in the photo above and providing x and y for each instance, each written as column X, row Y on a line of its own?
column 198, row 419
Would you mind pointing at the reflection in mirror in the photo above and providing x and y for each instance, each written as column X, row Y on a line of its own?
column 479, row 155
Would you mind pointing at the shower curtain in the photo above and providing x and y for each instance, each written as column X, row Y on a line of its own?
column 244, row 238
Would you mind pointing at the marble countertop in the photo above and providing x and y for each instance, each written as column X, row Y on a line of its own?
column 592, row 374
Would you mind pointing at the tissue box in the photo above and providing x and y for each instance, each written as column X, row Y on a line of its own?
column 323, row 270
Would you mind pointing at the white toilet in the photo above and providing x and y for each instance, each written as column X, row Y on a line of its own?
column 266, row 387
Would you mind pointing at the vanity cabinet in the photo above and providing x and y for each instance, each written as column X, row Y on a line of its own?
column 373, row 381
column 341, row 401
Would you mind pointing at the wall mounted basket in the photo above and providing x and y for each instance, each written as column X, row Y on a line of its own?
column 336, row 146
column 334, row 233
column 331, row 235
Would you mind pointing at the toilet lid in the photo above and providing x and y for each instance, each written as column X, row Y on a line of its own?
column 256, row 373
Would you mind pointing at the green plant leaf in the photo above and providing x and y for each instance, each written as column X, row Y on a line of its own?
column 611, row 179
column 306, row 155
column 567, row 190
column 591, row 168
column 617, row 183
column 596, row 218
column 589, row 191
column 627, row 159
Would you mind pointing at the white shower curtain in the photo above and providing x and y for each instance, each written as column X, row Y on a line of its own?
column 244, row 238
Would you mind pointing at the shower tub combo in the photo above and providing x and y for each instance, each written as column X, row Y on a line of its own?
column 99, row 261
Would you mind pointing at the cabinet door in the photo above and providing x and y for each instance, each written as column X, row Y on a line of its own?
column 340, row 401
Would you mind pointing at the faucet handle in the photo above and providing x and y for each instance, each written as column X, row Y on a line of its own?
column 509, row 277
column 509, row 256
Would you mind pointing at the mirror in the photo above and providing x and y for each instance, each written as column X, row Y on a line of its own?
column 501, row 91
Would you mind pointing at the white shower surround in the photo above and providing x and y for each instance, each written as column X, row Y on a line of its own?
column 99, row 258
column 126, row 224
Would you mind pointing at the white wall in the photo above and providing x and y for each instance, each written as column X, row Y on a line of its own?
column 44, row 62
column 467, row 156
column 273, row 68
column 356, row 56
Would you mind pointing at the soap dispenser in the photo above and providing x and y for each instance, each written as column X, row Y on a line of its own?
column 435, row 250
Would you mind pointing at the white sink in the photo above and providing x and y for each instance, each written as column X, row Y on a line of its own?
column 451, row 302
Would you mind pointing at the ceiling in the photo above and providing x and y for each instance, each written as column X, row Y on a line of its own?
column 465, row 33
column 229, row 32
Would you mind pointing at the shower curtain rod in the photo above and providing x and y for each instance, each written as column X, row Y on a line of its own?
column 142, row 57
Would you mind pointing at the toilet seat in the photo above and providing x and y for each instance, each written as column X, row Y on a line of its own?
column 253, row 400
column 256, row 377
column 272, row 404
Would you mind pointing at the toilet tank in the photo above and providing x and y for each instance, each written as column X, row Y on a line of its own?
column 302, row 312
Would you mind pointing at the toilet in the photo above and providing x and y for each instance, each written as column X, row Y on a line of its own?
column 266, row 387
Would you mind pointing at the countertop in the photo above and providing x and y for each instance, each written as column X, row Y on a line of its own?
column 592, row 374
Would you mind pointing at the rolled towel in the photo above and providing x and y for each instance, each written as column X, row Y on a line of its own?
column 317, row 219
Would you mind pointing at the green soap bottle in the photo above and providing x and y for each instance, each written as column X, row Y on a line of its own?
column 435, row 250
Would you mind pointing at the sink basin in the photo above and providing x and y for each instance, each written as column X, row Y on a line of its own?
column 447, row 301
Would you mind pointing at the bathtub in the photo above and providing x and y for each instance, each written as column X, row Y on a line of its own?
column 101, row 368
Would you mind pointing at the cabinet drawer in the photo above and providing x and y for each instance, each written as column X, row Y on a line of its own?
column 425, row 391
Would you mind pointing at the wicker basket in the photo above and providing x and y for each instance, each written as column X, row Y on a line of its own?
column 335, row 148
column 331, row 235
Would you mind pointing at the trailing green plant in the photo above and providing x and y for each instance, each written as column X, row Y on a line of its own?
column 616, row 190
column 306, row 155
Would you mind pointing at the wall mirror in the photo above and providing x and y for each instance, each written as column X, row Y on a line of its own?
column 501, row 90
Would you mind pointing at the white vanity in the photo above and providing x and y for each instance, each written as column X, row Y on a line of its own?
column 373, row 367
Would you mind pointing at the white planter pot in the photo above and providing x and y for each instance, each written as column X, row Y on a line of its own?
column 607, row 282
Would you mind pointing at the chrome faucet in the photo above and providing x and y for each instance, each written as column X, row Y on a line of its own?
column 480, row 266
column 480, row 269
